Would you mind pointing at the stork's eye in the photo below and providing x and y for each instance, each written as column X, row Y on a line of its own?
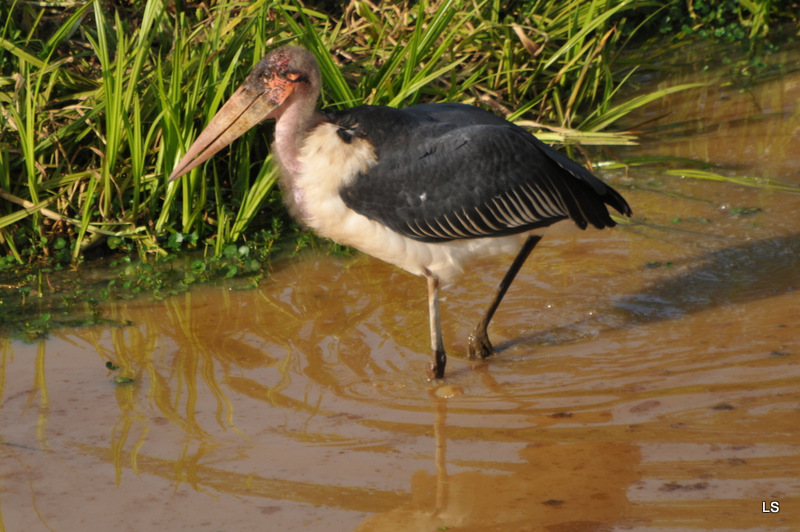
column 294, row 76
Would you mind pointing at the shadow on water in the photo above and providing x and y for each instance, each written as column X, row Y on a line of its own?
column 737, row 274
column 732, row 275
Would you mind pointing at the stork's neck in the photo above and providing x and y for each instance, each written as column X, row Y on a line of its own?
column 292, row 127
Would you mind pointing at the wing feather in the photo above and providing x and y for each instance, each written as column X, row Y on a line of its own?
column 447, row 172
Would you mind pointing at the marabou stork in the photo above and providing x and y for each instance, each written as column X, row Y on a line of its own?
column 425, row 188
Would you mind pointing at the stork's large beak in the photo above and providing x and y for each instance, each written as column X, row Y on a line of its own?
column 247, row 107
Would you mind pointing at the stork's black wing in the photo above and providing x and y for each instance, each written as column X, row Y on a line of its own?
column 449, row 171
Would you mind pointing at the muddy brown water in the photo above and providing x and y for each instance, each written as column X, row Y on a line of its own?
column 648, row 377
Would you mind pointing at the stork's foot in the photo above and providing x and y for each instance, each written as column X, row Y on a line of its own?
column 436, row 367
column 479, row 345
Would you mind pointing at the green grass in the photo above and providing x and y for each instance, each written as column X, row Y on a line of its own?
column 100, row 100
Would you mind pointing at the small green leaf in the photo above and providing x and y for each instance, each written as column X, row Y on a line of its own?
column 198, row 266
column 230, row 251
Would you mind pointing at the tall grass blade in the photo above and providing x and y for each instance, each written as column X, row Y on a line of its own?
column 746, row 181
column 596, row 123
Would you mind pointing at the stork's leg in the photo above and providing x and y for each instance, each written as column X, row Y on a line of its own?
column 436, row 369
column 479, row 344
